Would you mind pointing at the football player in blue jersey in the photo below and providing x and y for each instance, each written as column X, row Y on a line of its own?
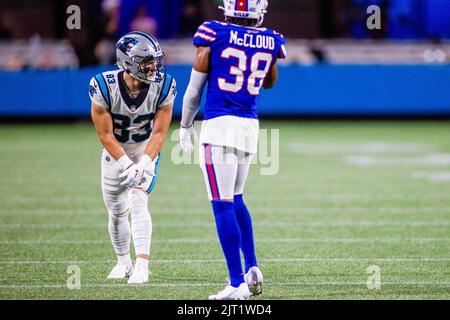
column 237, row 57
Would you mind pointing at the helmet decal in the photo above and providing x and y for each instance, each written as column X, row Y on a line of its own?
column 241, row 5
column 246, row 9
column 152, row 40
column 127, row 44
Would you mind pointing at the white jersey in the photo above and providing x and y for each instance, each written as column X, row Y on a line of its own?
column 132, row 117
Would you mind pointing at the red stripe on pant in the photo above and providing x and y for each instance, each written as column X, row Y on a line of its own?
column 211, row 175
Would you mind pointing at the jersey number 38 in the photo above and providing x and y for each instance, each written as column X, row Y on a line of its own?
column 256, row 73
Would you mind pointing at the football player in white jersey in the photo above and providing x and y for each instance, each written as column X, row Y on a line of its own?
column 132, row 111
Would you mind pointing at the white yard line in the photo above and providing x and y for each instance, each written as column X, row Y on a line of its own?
column 199, row 261
column 254, row 209
column 288, row 224
column 346, row 283
column 433, row 176
column 423, row 160
column 196, row 196
column 196, row 284
column 373, row 147
column 320, row 224
column 285, row 240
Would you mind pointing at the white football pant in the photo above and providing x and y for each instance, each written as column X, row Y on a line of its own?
column 121, row 201
column 225, row 170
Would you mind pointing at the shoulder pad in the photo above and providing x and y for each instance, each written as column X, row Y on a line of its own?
column 206, row 34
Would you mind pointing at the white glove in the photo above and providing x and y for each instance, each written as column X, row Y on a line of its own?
column 134, row 174
column 124, row 163
column 185, row 138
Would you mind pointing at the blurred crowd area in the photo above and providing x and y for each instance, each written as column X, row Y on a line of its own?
column 34, row 35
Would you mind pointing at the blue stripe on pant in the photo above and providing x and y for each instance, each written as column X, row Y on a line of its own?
column 152, row 185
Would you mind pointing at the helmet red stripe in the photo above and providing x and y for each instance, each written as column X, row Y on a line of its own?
column 241, row 5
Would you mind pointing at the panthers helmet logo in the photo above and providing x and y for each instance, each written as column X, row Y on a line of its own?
column 127, row 44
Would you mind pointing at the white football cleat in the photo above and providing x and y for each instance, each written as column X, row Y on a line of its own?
column 232, row 293
column 140, row 274
column 121, row 271
column 254, row 280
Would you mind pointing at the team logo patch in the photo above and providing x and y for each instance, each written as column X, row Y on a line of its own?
column 174, row 91
column 92, row 90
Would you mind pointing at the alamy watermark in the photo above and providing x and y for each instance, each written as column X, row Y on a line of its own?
column 374, row 280
column 374, row 20
column 267, row 156
column 74, row 279
column 73, row 22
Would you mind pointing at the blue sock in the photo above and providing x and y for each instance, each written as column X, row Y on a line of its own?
column 230, row 238
column 245, row 224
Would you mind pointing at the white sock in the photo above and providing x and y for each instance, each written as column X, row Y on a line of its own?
column 142, row 262
column 120, row 232
column 141, row 222
column 125, row 259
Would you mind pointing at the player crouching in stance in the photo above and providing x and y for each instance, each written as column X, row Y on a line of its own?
column 132, row 111
column 237, row 58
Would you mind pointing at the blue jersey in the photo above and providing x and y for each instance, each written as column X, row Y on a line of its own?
column 240, row 59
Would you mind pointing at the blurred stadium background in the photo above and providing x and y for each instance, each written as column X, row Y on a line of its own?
column 404, row 65
column 351, row 192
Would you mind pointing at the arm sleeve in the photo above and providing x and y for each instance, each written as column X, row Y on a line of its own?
column 205, row 35
column 96, row 94
column 282, row 53
column 191, row 100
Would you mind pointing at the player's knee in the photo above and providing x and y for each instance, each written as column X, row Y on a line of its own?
column 222, row 207
column 239, row 199
column 118, row 210
column 138, row 200
column 117, row 217
column 240, row 208
column 226, row 200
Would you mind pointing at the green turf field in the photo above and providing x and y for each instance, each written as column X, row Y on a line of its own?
column 348, row 195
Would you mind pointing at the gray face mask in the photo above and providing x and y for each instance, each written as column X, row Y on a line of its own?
column 150, row 68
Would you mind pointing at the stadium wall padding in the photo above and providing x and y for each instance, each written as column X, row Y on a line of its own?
column 320, row 90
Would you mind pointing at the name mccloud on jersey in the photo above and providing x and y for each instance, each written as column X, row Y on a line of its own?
column 252, row 41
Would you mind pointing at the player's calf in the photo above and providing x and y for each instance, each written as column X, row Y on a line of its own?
column 141, row 229
column 119, row 231
column 141, row 222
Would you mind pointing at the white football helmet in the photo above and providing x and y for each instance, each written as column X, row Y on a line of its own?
column 138, row 53
column 245, row 9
